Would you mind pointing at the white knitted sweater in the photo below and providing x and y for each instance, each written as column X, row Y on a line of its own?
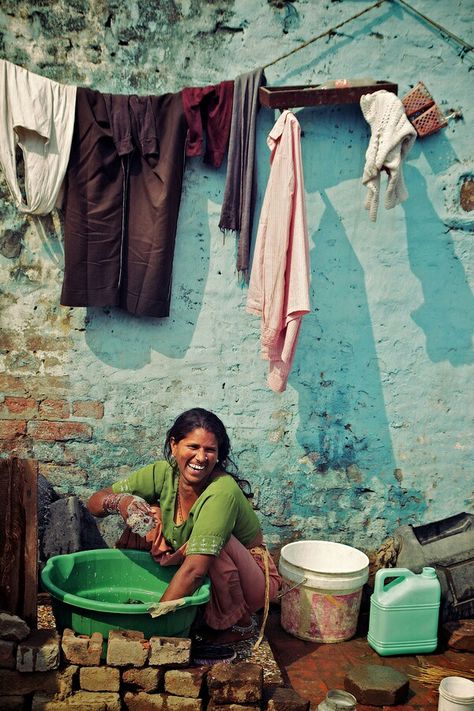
column 392, row 136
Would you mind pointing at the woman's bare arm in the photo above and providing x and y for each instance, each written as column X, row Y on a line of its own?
column 188, row 577
column 96, row 502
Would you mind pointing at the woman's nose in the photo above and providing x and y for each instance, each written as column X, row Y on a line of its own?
column 201, row 456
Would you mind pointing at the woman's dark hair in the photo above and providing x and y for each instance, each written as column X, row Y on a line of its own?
column 196, row 418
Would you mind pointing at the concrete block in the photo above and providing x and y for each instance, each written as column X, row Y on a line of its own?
column 54, row 683
column 459, row 635
column 99, row 679
column 180, row 703
column 94, row 701
column 147, row 679
column 13, row 627
column 7, row 654
column 162, row 702
column 377, row 685
column 81, row 649
column 235, row 683
column 165, row 651
column 39, row 652
column 185, row 682
column 127, row 648
column 278, row 698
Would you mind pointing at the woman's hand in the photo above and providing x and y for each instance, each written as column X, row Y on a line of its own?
column 134, row 510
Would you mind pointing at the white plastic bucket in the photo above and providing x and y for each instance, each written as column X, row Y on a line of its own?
column 456, row 694
column 322, row 589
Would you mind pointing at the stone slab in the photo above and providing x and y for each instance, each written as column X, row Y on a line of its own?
column 377, row 685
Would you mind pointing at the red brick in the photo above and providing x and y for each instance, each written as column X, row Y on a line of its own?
column 54, row 409
column 20, row 448
column 48, row 387
column 36, row 342
column 61, row 431
column 12, row 384
column 88, row 408
column 8, row 340
column 9, row 429
column 25, row 406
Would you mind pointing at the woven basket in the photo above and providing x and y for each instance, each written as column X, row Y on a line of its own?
column 429, row 121
column 417, row 100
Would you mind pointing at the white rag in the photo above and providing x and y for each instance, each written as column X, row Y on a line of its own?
column 392, row 136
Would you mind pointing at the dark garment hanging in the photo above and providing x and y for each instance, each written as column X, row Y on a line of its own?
column 208, row 110
column 122, row 195
column 239, row 193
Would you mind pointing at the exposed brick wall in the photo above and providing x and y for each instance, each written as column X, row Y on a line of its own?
column 372, row 431
column 26, row 422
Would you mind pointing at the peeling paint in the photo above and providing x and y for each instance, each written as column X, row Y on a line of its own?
column 372, row 431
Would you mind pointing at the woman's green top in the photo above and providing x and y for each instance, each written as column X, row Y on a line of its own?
column 221, row 510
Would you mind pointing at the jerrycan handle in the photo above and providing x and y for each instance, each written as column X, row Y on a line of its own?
column 384, row 573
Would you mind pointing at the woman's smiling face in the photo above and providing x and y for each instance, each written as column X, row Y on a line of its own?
column 196, row 455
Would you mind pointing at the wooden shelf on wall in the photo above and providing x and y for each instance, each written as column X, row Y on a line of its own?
column 287, row 97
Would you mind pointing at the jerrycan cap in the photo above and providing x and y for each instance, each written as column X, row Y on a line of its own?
column 429, row 572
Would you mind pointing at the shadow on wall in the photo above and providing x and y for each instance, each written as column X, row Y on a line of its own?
column 447, row 314
column 127, row 342
column 336, row 373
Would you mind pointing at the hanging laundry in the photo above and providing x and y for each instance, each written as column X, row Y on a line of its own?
column 392, row 136
column 36, row 114
column 122, row 194
column 239, row 192
column 279, row 280
column 208, row 111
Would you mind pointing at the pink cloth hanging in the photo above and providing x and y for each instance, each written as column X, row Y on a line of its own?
column 279, row 280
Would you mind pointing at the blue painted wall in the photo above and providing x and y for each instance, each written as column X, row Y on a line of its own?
column 375, row 427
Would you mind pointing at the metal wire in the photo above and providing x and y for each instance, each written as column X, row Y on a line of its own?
column 465, row 45
column 323, row 34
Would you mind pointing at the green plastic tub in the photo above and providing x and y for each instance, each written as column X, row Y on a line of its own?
column 110, row 589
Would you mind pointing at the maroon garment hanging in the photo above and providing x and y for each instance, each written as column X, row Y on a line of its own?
column 208, row 110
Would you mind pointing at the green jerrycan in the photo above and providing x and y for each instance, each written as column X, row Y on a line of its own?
column 404, row 611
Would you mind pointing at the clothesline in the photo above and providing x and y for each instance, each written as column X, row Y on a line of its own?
column 323, row 34
column 443, row 30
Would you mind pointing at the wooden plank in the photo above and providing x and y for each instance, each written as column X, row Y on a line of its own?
column 19, row 538
column 287, row 97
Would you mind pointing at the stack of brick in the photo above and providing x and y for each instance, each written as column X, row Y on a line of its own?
column 45, row 671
